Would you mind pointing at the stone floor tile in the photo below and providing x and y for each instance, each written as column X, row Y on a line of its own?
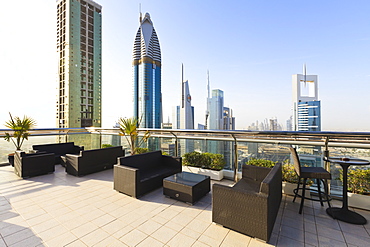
column 164, row 234
column 149, row 226
column 62, row 239
column 198, row 225
column 18, row 236
column 149, row 241
column 84, row 229
column 324, row 241
column 236, row 239
column 133, row 238
column 180, row 240
column 94, row 237
column 285, row 241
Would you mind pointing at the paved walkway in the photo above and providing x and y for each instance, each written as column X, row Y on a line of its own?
column 62, row 210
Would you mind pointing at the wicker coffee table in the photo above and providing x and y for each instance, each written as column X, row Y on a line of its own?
column 186, row 187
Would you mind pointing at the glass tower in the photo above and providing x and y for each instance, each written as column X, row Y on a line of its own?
column 79, row 63
column 306, row 103
column 147, row 75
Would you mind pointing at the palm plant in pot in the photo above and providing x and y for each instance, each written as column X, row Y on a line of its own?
column 20, row 127
column 129, row 129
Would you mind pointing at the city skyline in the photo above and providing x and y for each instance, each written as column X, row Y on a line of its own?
column 250, row 48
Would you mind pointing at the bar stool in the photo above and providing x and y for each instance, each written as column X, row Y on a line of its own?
column 318, row 173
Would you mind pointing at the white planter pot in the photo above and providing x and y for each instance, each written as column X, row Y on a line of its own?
column 359, row 201
column 215, row 175
column 288, row 188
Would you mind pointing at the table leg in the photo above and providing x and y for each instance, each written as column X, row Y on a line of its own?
column 343, row 213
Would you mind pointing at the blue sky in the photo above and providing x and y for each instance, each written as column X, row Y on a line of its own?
column 251, row 49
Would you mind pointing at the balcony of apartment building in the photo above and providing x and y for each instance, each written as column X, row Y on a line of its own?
column 59, row 209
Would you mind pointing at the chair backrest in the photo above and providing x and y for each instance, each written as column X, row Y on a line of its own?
column 297, row 163
column 142, row 161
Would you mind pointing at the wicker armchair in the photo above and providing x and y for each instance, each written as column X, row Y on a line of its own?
column 252, row 204
column 29, row 165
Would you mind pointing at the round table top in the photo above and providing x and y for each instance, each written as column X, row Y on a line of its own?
column 349, row 161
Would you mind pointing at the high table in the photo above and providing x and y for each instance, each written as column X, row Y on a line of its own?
column 343, row 213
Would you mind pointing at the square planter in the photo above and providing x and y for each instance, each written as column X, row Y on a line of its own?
column 359, row 201
column 287, row 188
column 215, row 175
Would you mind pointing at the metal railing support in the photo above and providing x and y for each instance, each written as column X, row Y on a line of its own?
column 235, row 159
column 176, row 144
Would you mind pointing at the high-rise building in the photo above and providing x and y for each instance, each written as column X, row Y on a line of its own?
column 216, row 110
column 306, row 105
column 220, row 118
column 79, row 39
column 183, row 115
column 147, row 75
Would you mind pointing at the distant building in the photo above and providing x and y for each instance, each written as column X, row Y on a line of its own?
column 220, row 118
column 147, row 75
column 306, row 105
column 166, row 125
column 79, row 40
column 183, row 116
column 289, row 124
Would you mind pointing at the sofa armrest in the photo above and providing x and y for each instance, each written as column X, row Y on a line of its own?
column 77, row 149
column 126, row 180
column 256, row 173
column 272, row 182
column 175, row 162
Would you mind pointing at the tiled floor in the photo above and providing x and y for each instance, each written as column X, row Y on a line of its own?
column 62, row 210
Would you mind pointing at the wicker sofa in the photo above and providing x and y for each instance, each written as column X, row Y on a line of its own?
column 139, row 174
column 252, row 204
column 94, row 160
column 59, row 149
column 29, row 165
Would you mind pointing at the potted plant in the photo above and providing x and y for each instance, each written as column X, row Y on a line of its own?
column 204, row 163
column 20, row 133
column 129, row 129
column 358, row 188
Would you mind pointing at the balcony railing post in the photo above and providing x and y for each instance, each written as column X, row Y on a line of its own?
column 176, row 144
column 235, row 159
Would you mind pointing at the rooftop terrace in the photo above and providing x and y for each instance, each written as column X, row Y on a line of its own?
column 62, row 210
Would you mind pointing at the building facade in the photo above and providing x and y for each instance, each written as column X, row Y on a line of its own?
column 79, row 39
column 306, row 104
column 147, row 75
column 220, row 118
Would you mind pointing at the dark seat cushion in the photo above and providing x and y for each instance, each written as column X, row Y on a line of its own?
column 315, row 172
column 159, row 171
column 247, row 185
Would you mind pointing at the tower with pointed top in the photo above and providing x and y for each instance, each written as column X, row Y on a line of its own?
column 147, row 75
column 306, row 103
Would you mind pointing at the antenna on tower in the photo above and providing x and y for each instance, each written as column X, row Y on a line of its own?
column 304, row 73
column 140, row 12
column 207, row 111
column 182, row 86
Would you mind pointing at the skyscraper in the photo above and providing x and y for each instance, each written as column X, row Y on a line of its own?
column 220, row 118
column 147, row 75
column 183, row 115
column 306, row 105
column 79, row 63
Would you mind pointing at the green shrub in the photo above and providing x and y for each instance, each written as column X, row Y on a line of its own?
column 204, row 160
column 261, row 162
column 141, row 150
column 358, row 181
column 106, row 145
